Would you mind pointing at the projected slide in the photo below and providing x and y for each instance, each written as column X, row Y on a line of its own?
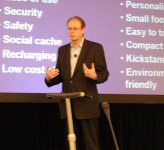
column 131, row 32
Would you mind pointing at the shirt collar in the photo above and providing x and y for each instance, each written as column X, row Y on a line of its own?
column 80, row 44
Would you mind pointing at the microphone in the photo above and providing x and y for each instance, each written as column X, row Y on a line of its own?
column 106, row 109
column 82, row 94
column 75, row 55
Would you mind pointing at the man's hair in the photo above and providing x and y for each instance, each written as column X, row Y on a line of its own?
column 83, row 25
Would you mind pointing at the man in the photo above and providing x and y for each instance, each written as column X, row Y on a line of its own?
column 80, row 66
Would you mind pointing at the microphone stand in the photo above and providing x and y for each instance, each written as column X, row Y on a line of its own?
column 106, row 109
column 67, row 97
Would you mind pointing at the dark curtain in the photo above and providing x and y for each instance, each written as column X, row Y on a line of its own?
column 139, row 126
column 38, row 127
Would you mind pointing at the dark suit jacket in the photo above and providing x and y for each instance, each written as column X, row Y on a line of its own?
column 91, row 52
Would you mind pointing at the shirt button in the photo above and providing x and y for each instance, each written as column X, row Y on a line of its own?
column 71, row 81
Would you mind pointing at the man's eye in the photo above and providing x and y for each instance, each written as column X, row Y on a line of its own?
column 73, row 29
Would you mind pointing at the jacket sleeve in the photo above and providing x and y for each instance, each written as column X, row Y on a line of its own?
column 100, row 64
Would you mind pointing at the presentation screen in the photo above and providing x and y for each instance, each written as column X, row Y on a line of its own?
column 131, row 32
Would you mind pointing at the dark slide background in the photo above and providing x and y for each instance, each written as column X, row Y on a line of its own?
column 26, row 26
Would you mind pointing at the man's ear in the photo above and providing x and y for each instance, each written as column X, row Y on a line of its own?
column 84, row 30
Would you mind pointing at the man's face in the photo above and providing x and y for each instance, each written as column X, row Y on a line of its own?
column 76, row 33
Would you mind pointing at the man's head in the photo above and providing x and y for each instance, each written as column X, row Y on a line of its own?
column 76, row 28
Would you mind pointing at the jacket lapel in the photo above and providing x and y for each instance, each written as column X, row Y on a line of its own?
column 67, row 61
